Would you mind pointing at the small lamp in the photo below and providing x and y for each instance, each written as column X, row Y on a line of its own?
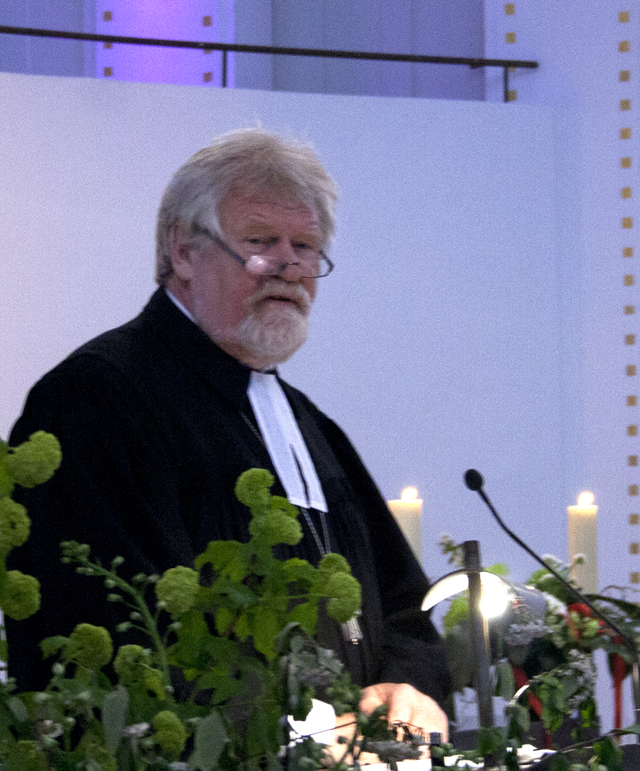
column 490, row 596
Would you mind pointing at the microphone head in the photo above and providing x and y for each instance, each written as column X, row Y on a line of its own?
column 473, row 479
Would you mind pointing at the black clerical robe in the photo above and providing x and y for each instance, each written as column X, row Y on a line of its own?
column 155, row 427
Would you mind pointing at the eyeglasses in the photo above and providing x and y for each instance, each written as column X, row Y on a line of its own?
column 311, row 263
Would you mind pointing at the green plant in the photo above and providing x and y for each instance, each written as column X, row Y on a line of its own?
column 231, row 651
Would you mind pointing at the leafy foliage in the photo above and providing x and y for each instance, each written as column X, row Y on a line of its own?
column 240, row 637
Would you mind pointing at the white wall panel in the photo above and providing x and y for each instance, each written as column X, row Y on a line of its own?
column 434, row 343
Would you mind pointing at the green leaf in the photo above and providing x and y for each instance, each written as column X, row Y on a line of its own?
column 240, row 594
column 264, row 628
column 209, row 742
column 192, row 638
column 4, row 650
column 296, row 569
column 223, row 684
column 608, row 753
column 228, row 558
column 499, row 569
column 559, row 763
column 305, row 614
column 18, row 709
column 505, row 681
column 459, row 655
column 241, row 627
column 630, row 608
column 458, row 611
column 224, row 618
column 519, row 721
column 632, row 729
column 490, row 741
column 115, row 710
column 50, row 646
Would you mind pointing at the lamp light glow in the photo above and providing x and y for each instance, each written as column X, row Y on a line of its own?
column 495, row 600
column 496, row 592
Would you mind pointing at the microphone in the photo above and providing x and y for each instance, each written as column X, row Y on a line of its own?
column 474, row 481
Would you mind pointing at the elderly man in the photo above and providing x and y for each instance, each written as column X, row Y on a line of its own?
column 158, row 418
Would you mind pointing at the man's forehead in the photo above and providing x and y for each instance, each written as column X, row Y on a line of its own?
column 262, row 204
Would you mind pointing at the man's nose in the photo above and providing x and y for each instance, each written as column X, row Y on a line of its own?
column 288, row 262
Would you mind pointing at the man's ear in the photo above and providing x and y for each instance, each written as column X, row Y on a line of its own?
column 181, row 255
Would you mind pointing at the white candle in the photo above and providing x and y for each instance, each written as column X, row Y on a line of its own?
column 408, row 514
column 583, row 539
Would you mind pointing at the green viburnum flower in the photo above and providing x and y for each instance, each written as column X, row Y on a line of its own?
column 6, row 480
column 170, row 734
column 21, row 597
column 334, row 563
column 27, row 756
column 252, row 488
column 14, row 524
column 89, row 646
column 275, row 527
column 278, row 503
column 178, row 589
column 34, row 461
column 129, row 662
column 346, row 596
column 133, row 669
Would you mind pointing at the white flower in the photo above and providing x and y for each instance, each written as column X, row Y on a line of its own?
column 137, row 729
column 523, row 634
column 554, row 605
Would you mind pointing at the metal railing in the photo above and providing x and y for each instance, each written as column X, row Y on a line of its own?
column 506, row 64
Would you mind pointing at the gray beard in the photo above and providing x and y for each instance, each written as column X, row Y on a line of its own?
column 275, row 335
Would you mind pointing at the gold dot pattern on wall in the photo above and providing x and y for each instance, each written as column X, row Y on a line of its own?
column 625, row 111
column 511, row 37
column 107, row 72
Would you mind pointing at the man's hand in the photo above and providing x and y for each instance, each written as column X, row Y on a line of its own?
column 407, row 705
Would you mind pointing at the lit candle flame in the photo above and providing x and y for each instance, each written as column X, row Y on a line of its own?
column 409, row 494
column 586, row 499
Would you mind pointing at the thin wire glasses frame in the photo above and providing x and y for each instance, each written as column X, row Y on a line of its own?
column 266, row 266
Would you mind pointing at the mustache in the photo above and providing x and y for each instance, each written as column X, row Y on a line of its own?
column 281, row 290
